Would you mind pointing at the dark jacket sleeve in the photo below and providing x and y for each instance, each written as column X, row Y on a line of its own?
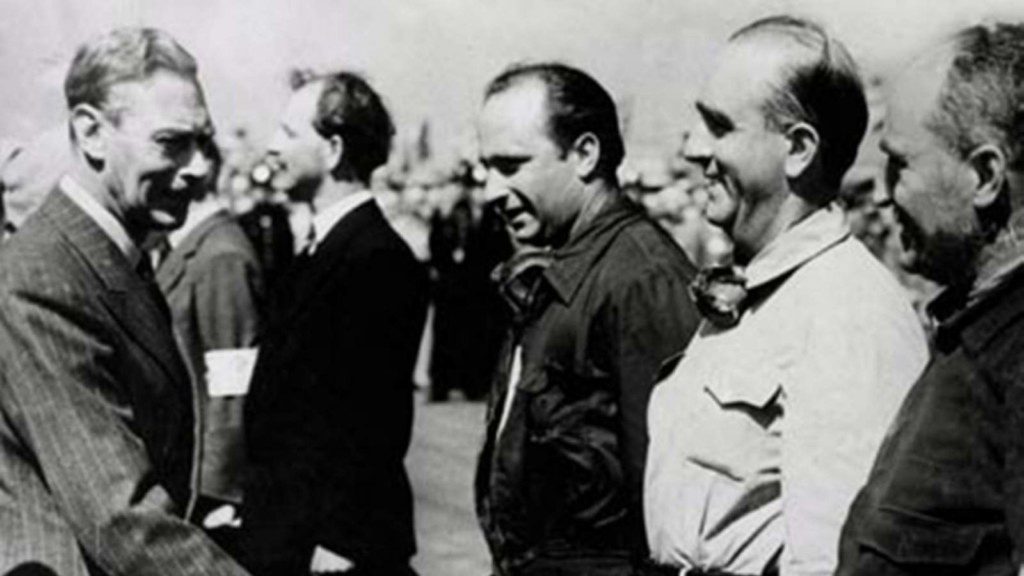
column 653, row 318
column 75, row 417
column 228, row 300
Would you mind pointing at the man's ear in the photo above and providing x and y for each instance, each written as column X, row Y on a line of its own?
column 89, row 127
column 988, row 163
column 803, row 143
column 587, row 152
column 335, row 151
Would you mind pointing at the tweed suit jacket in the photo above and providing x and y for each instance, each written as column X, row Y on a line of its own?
column 328, row 418
column 214, row 287
column 96, row 411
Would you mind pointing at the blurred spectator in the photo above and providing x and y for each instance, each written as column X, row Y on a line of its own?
column 31, row 171
column 8, row 148
column 466, row 243
column 413, row 213
column 676, row 200
column 857, row 196
column 266, row 225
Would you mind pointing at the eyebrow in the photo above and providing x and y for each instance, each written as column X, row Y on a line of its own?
column 204, row 130
column 715, row 116
column 504, row 158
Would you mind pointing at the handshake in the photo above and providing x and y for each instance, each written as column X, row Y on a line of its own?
column 324, row 561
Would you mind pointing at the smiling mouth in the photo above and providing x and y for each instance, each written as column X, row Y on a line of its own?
column 514, row 217
column 908, row 231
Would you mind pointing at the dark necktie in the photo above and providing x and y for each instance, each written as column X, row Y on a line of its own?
column 303, row 258
column 145, row 271
column 160, row 253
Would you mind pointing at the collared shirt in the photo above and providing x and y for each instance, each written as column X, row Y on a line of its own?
column 324, row 221
column 107, row 222
column 763, row 433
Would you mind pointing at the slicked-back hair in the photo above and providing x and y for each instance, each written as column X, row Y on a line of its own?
column 348, row 107
column 822, row 87
column 982, row 98
column 576, row 104
column 119, row 56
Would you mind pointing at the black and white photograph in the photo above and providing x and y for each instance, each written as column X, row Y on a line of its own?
column 512, row 288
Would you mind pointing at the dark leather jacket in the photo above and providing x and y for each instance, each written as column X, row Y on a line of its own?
column 563, row 477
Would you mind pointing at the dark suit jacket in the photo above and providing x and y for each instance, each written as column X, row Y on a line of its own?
column 96, row 411
column 329, row 412
column 214, row 287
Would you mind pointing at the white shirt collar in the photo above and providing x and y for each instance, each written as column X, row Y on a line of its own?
column 324, row 221
column 197, row 214
column 816, row 233
column 107, row 222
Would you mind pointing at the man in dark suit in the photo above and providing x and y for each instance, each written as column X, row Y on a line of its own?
column 946, row 495
column 97, row 429
column 213, row 283
column 329, row 412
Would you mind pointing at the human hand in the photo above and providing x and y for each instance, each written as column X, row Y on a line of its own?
column 223, row 516
column 327, row 562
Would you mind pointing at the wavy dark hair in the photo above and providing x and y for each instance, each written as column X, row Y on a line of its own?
column 348, row 107
column 576, row 104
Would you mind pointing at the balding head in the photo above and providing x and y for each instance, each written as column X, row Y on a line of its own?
column 818, row 84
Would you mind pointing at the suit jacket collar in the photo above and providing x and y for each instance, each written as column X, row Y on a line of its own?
column 106, row 221
column 127, row 296
column 172, row 269
column 330, row 252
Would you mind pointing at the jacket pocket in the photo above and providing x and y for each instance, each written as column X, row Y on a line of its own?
column 754, row 392
column 574, row 432
column 912, row 539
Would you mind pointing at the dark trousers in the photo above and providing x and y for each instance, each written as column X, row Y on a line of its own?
column 651, row 569
column 390, row 570
column 578, row 566
column 360, row 569
column 871, row 563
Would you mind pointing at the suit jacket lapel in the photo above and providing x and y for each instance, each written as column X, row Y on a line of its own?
column 330, row 254
column 126, row 294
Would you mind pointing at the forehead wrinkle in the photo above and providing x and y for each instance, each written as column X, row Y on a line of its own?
column 178, row 103
column 743, row 81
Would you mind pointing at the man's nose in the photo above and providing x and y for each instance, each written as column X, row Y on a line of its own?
column 882, row 195
column 199, row 164
column 496, row 188
column 697, row 147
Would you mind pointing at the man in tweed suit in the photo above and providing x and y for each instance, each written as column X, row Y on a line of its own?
column 97, row 426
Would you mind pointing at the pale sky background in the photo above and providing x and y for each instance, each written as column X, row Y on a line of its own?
column 431, row 58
